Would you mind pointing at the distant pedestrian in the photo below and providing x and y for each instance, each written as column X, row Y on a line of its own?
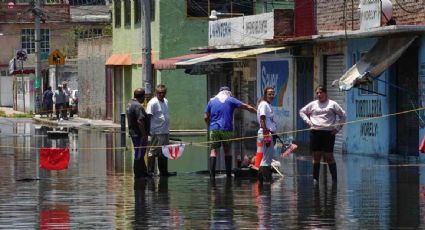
column 321, row 116
column 219, row 118
column 268, row 127
column 60, row 98
column 47, row 101
column 138, row 127
column 67, row 92
column 157, row 110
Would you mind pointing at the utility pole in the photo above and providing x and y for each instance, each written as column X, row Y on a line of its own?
column 147, row 48
column 37, row 83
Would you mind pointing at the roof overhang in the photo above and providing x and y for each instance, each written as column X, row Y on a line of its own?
column 239, row 54
column 119, row 59
column 349, row 34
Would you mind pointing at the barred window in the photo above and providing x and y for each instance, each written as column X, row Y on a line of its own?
column 90, row 33
column 28, row 38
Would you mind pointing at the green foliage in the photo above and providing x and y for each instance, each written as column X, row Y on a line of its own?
column 16, row 115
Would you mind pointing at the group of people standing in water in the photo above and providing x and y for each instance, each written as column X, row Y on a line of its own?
column 320, row 115
column 324, row 117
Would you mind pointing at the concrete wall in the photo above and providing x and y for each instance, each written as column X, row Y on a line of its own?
column 6, row 91
column 360, row 142
column 92, row 55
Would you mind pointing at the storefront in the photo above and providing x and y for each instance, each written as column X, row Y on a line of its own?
column 238, row 58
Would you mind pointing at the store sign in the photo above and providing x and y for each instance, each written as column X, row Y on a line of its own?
column 277, row 73
column 370, row 14
column 241, row 31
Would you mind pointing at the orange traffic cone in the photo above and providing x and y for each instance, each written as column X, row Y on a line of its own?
column 259, row 154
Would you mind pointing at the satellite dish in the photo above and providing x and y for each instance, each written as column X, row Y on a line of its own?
column 387, row 11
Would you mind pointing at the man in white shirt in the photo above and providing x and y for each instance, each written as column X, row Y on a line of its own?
column 157, row 110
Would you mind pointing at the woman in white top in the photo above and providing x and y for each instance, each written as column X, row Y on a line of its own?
column 321, row 115
column 265, row 118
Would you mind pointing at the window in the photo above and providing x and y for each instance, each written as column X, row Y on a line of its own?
column 117, row 16
column 27, row 40
column 90, row 33
column 4, row 73
column 137, row 13
column 127, row 12
column 138, row 9
column 202, row 8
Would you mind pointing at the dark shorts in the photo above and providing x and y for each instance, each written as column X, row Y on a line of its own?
column 322, row 140
column 219, row 137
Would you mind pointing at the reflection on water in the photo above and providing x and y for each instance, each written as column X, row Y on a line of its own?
column 98, row 191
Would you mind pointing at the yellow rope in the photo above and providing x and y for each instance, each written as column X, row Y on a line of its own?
column 206, row 143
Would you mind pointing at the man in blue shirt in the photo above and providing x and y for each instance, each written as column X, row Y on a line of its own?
column 219, row 118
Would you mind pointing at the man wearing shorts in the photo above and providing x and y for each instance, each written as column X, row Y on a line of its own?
column 219, row 118
column 321, row 116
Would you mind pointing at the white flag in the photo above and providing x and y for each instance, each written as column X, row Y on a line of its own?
column 173, row 151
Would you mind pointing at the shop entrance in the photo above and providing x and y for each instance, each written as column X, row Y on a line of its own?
column 407, row 124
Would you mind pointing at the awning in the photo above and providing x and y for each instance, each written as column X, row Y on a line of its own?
column 226, row 55
column 385, row 52
column 170, row 63
column 119, row 59
column 139, row 60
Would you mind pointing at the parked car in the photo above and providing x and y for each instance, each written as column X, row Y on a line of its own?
column 73, row 102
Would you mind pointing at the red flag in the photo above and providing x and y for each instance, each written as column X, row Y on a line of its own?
column 55, row 217
column 54, row 158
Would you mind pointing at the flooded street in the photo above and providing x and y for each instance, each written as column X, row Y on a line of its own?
column 98, row 191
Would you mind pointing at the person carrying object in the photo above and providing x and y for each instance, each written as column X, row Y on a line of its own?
column 268, row 126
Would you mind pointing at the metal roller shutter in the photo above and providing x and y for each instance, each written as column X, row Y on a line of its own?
column 334, row 69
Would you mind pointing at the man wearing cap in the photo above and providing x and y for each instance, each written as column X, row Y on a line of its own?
column 219, row 118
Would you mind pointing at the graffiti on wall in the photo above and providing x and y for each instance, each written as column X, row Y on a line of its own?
column 368, row 109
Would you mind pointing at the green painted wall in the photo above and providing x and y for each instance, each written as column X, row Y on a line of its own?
column 173, row 34
column 186, row 93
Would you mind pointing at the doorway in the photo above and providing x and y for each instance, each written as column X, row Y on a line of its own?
column 305, row 93
column 117, row 94
column 407, row 124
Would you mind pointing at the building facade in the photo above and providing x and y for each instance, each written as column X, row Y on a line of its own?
column 62, row 24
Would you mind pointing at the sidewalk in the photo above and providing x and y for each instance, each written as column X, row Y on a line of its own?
column 9, row 111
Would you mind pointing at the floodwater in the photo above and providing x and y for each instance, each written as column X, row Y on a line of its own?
column 98, row 191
